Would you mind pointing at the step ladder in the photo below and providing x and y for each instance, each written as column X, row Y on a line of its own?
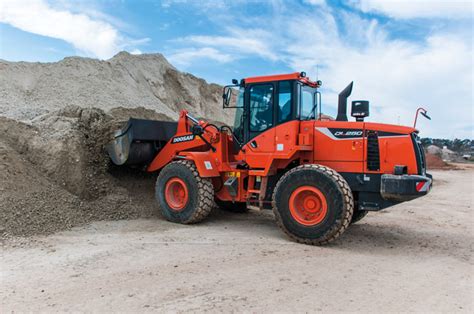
column 253, row 175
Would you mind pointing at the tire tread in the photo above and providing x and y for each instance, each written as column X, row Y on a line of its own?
column 336, row 230
column 205, row 193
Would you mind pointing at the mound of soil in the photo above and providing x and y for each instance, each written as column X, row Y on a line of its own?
column 55, row 172
column 28, row 90
column 55, row 119
column 434, row 161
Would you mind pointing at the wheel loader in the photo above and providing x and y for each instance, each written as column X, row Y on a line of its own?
column 317, row 174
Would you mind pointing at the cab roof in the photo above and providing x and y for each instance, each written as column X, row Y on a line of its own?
column 299, row 76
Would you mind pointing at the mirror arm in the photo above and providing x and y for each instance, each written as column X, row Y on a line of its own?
column 424, row 112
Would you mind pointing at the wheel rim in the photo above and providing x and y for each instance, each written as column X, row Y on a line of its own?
column 176, row 194
column 308, row 205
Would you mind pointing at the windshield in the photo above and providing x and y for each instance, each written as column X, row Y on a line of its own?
column 239, row 114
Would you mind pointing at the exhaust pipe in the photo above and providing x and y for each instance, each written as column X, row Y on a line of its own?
column 342, row 106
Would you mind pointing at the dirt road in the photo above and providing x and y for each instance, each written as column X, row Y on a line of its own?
column 416, row 256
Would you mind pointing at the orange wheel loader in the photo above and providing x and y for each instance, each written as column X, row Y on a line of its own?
column 317, row 174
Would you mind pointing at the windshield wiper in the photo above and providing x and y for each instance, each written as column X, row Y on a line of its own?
column 313, row 110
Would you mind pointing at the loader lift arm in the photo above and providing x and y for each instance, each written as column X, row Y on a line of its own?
column 191, row 134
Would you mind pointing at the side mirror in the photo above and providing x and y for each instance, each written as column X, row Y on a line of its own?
column 227, row 96
column 360, row 109
column 424, row 114
column 231, row 97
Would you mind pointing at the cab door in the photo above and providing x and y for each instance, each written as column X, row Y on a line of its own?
column 287, row 130
column 260, row 131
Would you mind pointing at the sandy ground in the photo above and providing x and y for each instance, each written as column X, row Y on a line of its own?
column 417, row 256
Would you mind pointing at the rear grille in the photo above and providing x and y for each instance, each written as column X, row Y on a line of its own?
column 373, row 154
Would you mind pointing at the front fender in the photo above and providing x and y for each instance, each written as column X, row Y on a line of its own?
column 205, row 163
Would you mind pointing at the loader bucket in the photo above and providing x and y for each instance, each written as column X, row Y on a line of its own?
column 138, row 142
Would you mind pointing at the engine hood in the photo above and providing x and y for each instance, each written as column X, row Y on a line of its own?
column 389, row 128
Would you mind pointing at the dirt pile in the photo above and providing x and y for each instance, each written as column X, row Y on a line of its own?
column 435, row 158
column 55, row 173
column 434, row 161
column 129, row 81
column 55, row 119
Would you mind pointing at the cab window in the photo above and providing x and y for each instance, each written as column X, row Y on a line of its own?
column 284, row 101
column 261, row 107
column 307, row 103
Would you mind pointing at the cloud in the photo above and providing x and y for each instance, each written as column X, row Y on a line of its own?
column 136, row 52
column 397, row 74
column 185, row 57
column 90, row 36
column 239, row 42
column 396, row 70
column 202, row 5
column 406, row 9
column 316, row 2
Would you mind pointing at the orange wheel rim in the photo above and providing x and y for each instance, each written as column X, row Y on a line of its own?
column 176, row 194
column 308, row 205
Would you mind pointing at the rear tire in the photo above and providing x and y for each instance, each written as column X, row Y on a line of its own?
column 182, row 195
column 358, row 215
column 313, row 204
column 234, row 207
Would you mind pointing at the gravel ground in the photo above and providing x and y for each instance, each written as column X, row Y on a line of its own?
column 417, row 256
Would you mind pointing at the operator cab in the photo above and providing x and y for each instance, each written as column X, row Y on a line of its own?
column 264, row 102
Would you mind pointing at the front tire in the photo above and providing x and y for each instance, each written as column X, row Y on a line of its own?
column 313, row 204
column 182, row 195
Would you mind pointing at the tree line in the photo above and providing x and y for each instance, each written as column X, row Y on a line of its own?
column 456, row 145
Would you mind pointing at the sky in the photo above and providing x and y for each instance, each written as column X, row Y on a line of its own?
column 401, row 54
